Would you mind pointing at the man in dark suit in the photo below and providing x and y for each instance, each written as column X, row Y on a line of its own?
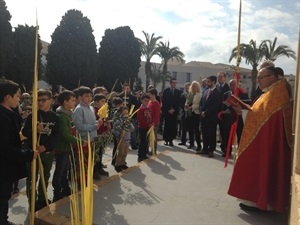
column 170, row 110
column 210, row 106
column 223, row 87
column 228, row 116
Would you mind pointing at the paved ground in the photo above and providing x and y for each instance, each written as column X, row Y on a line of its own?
column 177, row 187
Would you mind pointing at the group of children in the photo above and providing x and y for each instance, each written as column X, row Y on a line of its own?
column 79, row 109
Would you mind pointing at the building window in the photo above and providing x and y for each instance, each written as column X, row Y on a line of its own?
column 188, row 77
column 174, row 75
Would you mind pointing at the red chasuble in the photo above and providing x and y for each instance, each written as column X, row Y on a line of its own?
column 262, row 170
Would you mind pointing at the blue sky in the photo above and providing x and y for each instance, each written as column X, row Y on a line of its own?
column 203, row 30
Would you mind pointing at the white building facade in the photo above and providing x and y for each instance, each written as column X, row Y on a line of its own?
column 191, row 71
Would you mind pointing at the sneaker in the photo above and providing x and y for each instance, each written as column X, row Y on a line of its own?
column 15, row 191
column 57, row 197
column 102, row 172
column 198, row 149
column 66, row 192
column 96, row 176
column 118, row 169
column 140, row 159
column 124, row 167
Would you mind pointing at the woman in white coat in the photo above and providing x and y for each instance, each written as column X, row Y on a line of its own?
column 193, row 114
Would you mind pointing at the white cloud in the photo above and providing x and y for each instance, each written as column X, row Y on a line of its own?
column 204, row 30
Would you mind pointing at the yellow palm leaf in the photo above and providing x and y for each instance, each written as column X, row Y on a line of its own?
column 103, row 112
column 151, row 138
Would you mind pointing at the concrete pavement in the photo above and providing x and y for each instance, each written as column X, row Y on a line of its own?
column 177, row 187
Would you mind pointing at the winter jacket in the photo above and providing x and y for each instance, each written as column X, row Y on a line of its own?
column 65, row 139
column 12, row 158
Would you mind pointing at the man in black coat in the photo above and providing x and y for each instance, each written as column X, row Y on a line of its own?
column 223, row 87
column 210, row 106
column 228, row 116
column 12, row 158
column 170, row 110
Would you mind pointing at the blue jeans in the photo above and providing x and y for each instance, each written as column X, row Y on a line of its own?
column 60, row 180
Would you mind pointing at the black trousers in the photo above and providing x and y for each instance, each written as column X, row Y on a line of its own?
column 209, row 129
column 240, row 127
column 170, row 128
column 193, row 124
column 227, row 122
column 183, row 129
column 5, row 194
column 143, row 147
column 225, row 127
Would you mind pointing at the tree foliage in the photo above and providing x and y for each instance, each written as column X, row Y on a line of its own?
column 137, row 85
column 6, row 41
column 119, row 57
column 157, row 76
column 167, row 53
column 23, row 70
column 149, row 49
column 72, row 54
column 254, row 54
column 273, row 52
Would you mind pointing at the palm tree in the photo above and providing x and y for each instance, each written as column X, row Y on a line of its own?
column 156, row 75
column 166, row 53
column 267, row 50
column 252, row 56
column 148, row 50
column 271, row 52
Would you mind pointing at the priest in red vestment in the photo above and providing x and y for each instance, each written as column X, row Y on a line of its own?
column 262, row 171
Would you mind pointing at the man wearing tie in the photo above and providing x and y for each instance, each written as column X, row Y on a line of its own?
column 170, row 110
column 210, row 106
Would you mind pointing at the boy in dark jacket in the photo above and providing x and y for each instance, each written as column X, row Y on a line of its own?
column 12, row 158
column 47, row 135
